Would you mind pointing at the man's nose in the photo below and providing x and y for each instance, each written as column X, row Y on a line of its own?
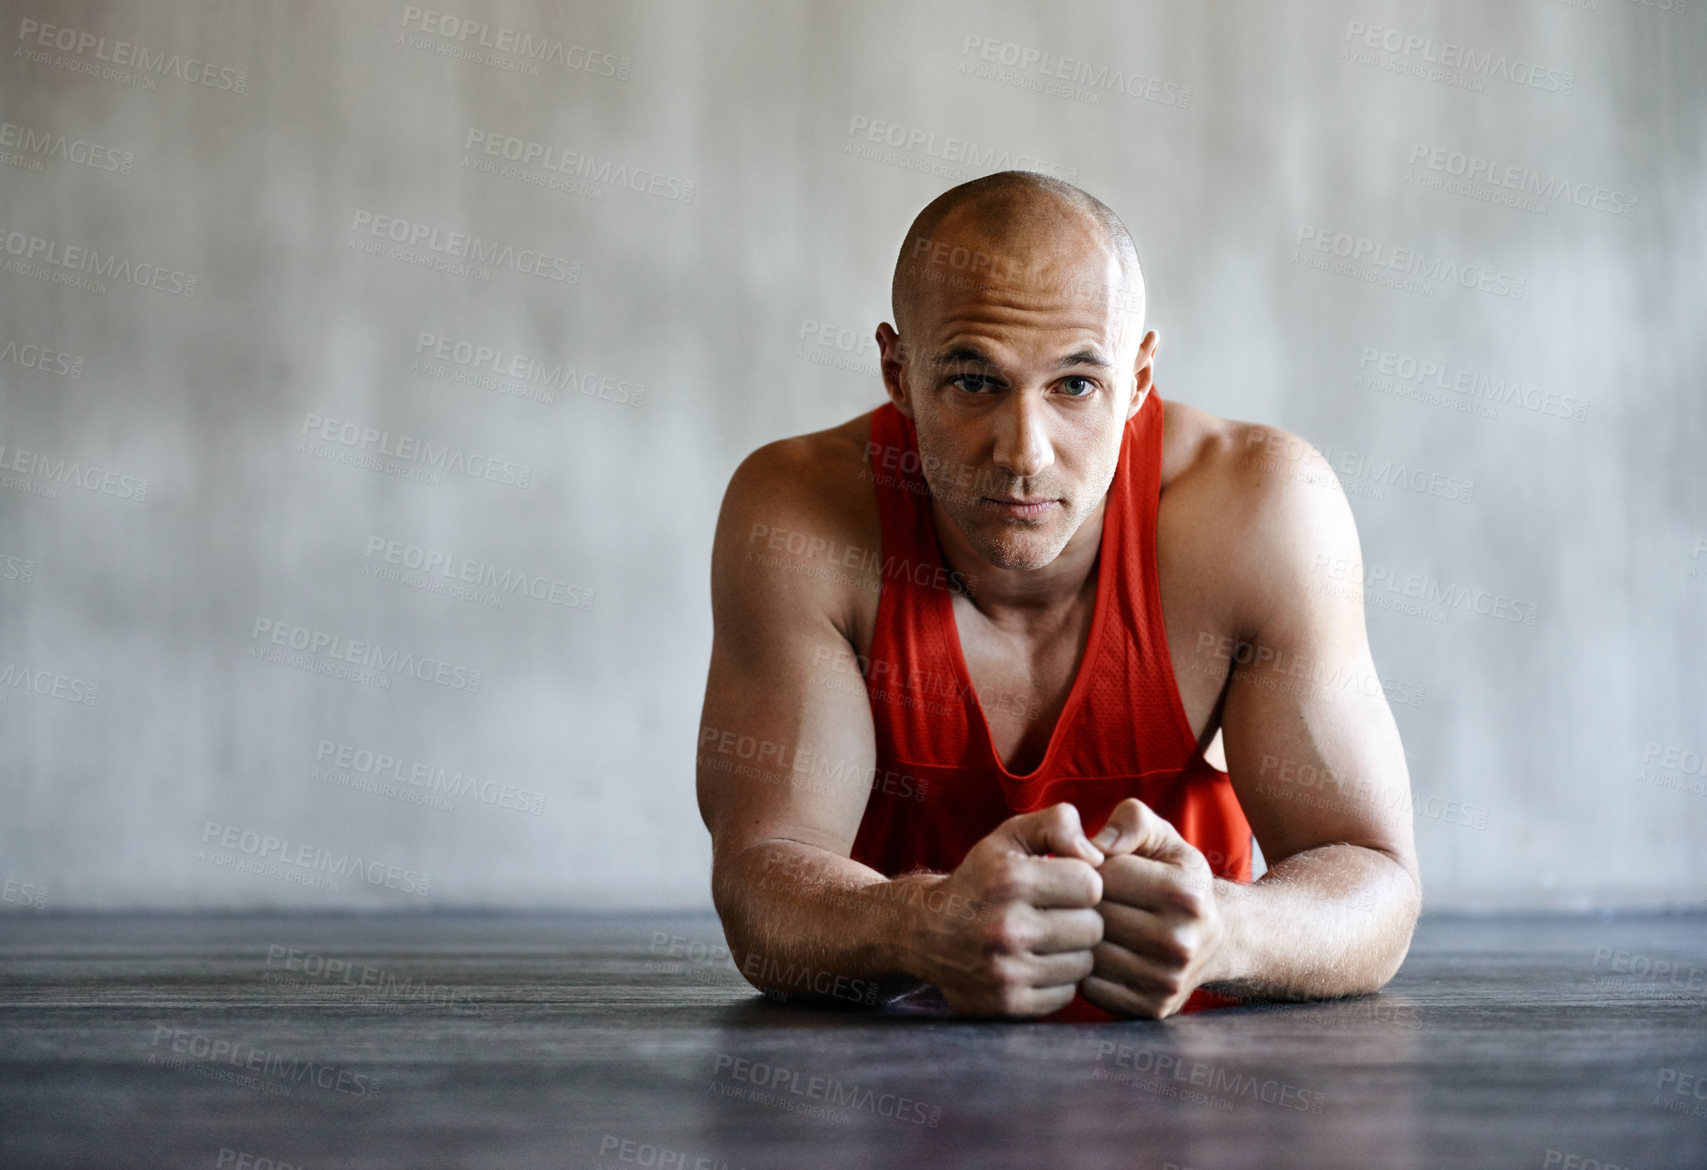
column 1023, row 448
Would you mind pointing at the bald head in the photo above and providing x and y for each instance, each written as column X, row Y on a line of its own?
column 1017, row 227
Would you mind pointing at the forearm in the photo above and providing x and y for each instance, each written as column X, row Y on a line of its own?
column 809, row 923
column 1331, row 921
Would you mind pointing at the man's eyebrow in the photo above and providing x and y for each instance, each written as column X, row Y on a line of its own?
column 963, row 355
column 1085, row 357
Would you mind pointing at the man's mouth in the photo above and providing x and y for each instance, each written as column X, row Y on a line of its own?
column 1018, row 509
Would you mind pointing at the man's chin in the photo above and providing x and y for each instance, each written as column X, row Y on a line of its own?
column 1018, row 551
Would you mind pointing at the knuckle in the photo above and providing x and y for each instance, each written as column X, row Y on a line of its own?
column 1006, row 931
column 1175, row 951
column 1190, row 901
column 1009, row 880
column 1090, row 885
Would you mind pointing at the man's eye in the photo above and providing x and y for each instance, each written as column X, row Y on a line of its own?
column 972, row 383
column 1078, row 387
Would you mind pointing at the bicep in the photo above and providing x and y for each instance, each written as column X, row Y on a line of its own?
column 1312, row 748
column 785, row 743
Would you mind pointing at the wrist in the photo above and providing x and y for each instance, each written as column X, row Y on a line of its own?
column 1229, row 962
column 906, row 933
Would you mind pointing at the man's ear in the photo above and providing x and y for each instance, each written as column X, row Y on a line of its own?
column 892, row 359
column 1143, row 371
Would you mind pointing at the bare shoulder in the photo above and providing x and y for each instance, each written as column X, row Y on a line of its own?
column 1251, row 509
column 798, row 526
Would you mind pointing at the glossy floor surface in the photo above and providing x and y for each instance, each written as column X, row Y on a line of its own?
column 259, row 1043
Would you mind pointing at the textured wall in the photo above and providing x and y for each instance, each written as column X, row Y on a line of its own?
column 1458, row 247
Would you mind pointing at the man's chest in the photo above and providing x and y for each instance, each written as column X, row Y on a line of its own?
column 1024, row 679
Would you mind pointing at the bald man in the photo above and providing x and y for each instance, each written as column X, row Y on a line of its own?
column 1007, row 673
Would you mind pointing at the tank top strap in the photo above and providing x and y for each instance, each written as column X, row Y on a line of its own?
column 902, row 495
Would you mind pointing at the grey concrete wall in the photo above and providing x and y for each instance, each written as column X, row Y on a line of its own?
column 1461, row 241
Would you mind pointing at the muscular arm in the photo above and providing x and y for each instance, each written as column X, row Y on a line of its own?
column 784, row 694
column 1314, row 757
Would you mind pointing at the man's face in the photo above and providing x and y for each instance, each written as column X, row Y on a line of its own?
column 1019, row 370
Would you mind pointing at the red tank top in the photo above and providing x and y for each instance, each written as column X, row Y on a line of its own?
column 1123, row 731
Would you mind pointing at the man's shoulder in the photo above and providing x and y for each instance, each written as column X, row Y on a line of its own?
column 1237, row 470
column 813, row 463
column 800, row 516
column 1248, row 506
column 821, row 479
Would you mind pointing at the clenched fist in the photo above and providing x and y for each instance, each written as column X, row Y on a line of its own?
column 1026, row 938
column 1161, row 926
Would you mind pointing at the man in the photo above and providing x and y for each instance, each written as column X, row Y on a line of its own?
column 1023, row 601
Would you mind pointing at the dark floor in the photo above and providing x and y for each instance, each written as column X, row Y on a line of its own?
column 585, row 1042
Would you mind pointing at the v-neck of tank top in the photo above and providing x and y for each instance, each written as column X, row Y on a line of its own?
column 1109, row 552
column 1075, row 695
